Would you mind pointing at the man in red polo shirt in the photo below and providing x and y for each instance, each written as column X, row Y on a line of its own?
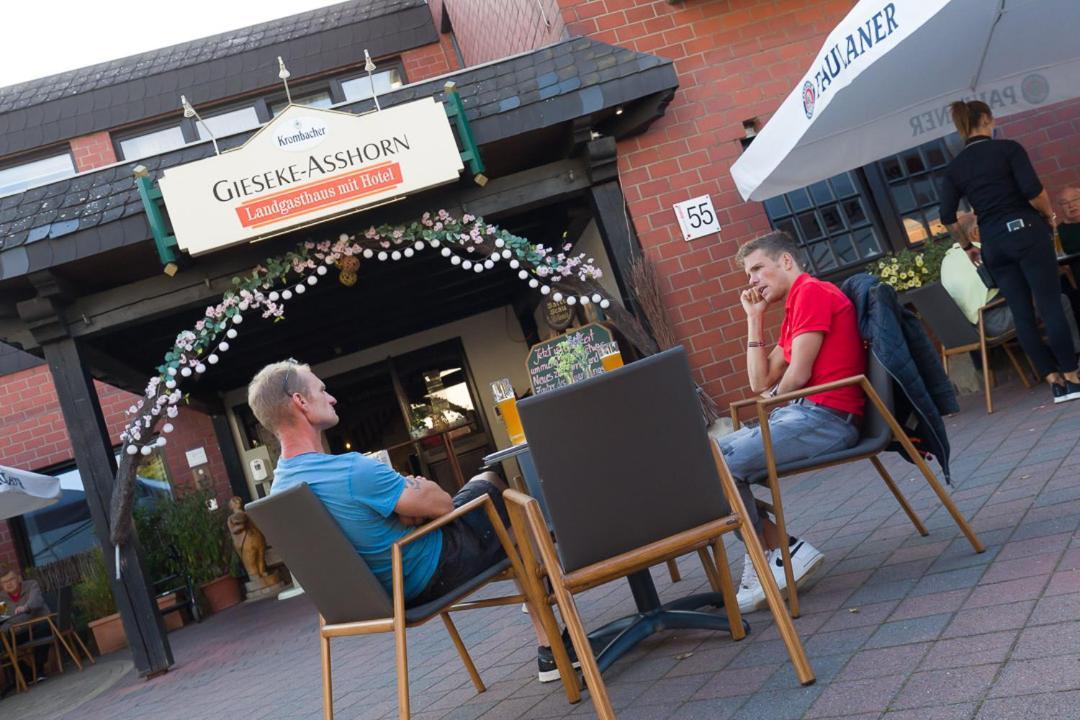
column 819, row 343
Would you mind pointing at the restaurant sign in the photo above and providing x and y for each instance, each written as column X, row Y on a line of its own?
column 307, row 166
column 544, row 371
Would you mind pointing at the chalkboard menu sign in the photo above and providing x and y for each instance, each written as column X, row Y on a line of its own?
column 544, row 375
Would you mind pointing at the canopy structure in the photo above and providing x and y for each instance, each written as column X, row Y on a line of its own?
column 23, row 492
column 887, row 73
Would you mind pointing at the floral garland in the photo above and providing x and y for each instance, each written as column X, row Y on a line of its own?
column 467, row 242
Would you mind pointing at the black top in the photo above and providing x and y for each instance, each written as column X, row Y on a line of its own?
column 997, row 179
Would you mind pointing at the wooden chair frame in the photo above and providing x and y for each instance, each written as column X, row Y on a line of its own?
column 525, row 512
column 983, row 346
column 11, row 646
column 764, row 404
column 397, row 624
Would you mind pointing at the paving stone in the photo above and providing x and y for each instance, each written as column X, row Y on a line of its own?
column 945, row 686
column 788, row 704
column 825, row 667
column 854, row 697
column 1047, row 640
column 952, row 580
column 712, row 709
column 903, row 632
column 1056, row 609
column 1028, row 707
column 883, row 662
column 1002, row 570
column 735, row 681
column 1027, row 588
column 933, row 604
column 1021, row 677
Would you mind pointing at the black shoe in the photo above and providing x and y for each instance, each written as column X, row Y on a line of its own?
column 1065, row 392
column 545, row 660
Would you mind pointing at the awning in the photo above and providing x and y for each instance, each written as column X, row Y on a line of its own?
column 23, row 492
column 884, row 79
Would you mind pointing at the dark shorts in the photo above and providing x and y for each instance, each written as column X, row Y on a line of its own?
column 470, row 545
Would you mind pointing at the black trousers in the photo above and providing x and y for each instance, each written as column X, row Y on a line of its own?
column 1024, row 266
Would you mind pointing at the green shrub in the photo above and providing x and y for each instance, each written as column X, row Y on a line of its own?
column 93, row 594
column 197, row 537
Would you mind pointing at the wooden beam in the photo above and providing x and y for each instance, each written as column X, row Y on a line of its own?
column 97, row 466
column 211, row 276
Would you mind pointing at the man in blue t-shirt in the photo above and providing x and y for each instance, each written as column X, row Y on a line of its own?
column 373, row 504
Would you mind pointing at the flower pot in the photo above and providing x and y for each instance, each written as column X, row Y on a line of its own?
column 221, row 593
column 175, row 619
column 109, row 633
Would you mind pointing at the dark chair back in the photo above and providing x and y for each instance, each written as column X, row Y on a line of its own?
column 64, row 608
column 875, row 430
column 623, row 458
column 318, row 554
column 943, row 315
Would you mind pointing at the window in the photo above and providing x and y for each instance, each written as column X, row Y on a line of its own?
column 359, row 88
column 65, row 528
column 830, row 220
column 228, row 123
column 321, row 100
column 152, row 143
column 37, row 172
column 911, row 177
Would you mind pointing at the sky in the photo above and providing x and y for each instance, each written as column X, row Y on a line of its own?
column 44, row 37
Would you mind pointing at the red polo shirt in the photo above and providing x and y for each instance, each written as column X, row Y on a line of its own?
column 813, row 305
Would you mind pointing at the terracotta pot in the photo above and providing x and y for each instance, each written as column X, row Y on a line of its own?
column 175, row 619
column 224, row 592
column 109, row 633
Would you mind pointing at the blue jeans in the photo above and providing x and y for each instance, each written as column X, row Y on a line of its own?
column 799, row 432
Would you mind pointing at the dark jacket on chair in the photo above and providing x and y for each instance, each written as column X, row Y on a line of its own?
column 898, row 340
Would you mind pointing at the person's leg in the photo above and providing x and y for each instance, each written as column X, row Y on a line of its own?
column 998, row 321
column 1014, row 286
column 1040, row 270
column 1070, row 318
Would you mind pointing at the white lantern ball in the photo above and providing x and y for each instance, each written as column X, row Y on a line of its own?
column 544, row 290
column 445, row 252
column 455, row 260
column 185, row 371
column 170, row 384
column 321, row 270
column 243, row 305
column 237, row 319
column 557, row 297
column 418, row 245
column 343, row 237
column 212, row 359
column 499, row 242
column 161, row 442
column 301, row 289
column 605, row 303
column 312, row 280
column 584, row 299
column 273, row 296
column 478, row 268
column 286, row 294
column 132, row 450
column 200, row 368
column 435, row 242
column 524, row 275
column 467, row 264
column 489, row 264
column 571, row 300
column 396, row 255
column 408, row 252
column 369, row 253
column 146, row 450
column 506, row 254
column 515, row 264
column 534, row 283
column 596, row 298
column 231, row 334
column 329, row 260
column 382, row 256
column 167, row 428
column 171, row 371
column 223, row 346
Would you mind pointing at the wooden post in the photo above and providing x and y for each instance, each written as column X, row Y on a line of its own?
column 612, row 218
column 97, row 467
column 234, row 466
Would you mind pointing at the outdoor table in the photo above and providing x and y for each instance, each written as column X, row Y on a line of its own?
column 652, row 616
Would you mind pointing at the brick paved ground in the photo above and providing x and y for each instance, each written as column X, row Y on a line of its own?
column 898, row 627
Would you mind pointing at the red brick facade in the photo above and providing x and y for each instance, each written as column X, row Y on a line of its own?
column 428, row 61
column 92, row 151
column 33, row 435
column 494, row 29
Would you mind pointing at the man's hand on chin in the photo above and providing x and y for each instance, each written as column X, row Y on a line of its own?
column 753, row 302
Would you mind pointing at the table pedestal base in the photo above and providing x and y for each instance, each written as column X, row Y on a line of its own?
column 618, row 637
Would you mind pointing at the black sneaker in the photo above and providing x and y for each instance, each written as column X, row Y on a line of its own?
column 1061, row 392
column 545, row 660
column 1072, row 391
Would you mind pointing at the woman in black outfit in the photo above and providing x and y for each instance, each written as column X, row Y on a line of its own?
column 1016, row 227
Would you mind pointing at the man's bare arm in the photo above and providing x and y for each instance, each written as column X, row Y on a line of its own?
column 423, row 498
column 804, row 351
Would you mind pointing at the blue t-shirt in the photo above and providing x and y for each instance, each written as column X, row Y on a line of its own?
column 361, row 494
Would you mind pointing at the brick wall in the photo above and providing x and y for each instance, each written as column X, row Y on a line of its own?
column 493, row 29
column 33, row 435
column 1050, row 136
column 92, row 151
column 428, row 61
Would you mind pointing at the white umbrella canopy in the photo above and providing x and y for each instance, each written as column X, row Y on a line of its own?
column 22, row 492
column 884, row 79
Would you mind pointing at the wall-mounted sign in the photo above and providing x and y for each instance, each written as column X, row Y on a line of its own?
column 544, row 376
column 558, row 315
column 307, row 166
column 696, row 217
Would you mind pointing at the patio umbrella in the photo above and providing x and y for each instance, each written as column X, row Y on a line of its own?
column 884, row 79
column 23, row 492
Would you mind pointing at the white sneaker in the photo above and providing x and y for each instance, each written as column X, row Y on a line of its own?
column 750, row 595
column 805, row 561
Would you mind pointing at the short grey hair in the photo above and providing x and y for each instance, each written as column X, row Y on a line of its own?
column 773, row 244
column 268, row 397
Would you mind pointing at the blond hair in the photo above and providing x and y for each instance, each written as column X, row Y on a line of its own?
column 773, row 244
column 268, row 397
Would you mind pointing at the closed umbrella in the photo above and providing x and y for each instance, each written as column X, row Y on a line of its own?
column 884, row 79
column 23, row 492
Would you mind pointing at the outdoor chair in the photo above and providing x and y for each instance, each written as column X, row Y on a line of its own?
column 880, row 429
column 351, row 601
column 630, row 480
column 183, row 590
column 22, row 639
column 957, row 335
column 65, row 625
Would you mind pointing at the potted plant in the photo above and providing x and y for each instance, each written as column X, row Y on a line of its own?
column 95, row 606
column 913, row 268
column 156, row 549
column 202, row 548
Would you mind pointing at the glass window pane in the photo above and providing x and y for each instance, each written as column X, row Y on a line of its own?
column 319, row 100
column 892, row 169
column 903, row 197
column 799, row 199
column 39, row 172
column 834, row 220
column 359, row 88
column 867, row 243
column 788, row 226
column 821, row 193
column 933, row 219
column 843, row 185
column 935, row 156
column 811, row 226
column 821, row 256
column 776, row 207
column 855, row 212
column 228, row 123
column 913, row 162
column 925, row 193
column 915, row 229
column 844, row 250
column 154, row 143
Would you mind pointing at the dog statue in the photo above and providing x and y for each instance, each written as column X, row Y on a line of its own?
column 249, row 541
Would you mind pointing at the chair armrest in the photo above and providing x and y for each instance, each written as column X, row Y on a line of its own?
column 32, row 621
column 812, row 390
column 997, row 302
column 738, row 405
column 443, row 520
